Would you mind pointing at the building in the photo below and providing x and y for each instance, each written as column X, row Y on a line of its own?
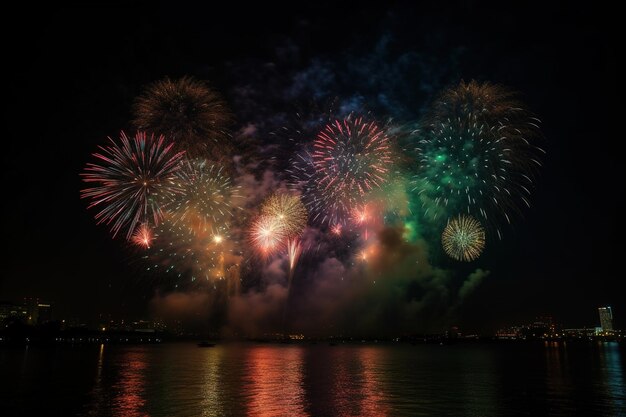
column 12, row 312
column 583, row 333
column 44, row 313
column 30, row 312
column 606, row 318
column 31, row 303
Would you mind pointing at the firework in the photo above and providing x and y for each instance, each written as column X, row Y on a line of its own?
column 349, row 159
column 294, row 249
column 183, row 254
column 267, row 234
column 187, row 111
column 361, row 216
column 463, row 238
column 336, row 229
column 143, row 236
column 131, row 179
column 289, row 211
column 477, row 154
column 206, row 198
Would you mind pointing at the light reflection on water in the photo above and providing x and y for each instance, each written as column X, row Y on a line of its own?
column 613, row 377
column 554, row 379
column 274, row 381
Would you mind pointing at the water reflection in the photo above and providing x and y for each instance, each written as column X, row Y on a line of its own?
column 553, row 379
column 479, row 385
column 273, row 383
column 129, row 398
column 373, row 392
column 213, row 401
column 558, row 381
column 343, row 381
column 613, row 379
column 99, row 390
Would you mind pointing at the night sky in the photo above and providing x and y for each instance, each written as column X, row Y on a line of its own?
column 74, row 71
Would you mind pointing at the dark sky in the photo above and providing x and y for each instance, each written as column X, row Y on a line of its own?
column 75, row 69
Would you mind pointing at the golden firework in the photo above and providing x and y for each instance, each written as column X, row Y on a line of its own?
column 463, row 238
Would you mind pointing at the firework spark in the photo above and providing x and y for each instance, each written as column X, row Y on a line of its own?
column 349, row 159
column 477, row 154
column 294, row 249
column 207, row 196
column 361, row 216
column 267, row 234
column 143, row 236
column 463, row 238
column 187, row 111
column 288, row 210
column 132, row 178
column 182, row 254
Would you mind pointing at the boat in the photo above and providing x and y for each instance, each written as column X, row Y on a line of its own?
column 206, row 343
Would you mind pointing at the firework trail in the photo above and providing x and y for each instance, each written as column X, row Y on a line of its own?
column 349, row 158
column 131, row 179
column 187, row 111
column 477, row 154
column 294, row 249
column 463, row 238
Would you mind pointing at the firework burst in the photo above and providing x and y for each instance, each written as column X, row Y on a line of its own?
column 477, row 154
column 267, row 234
column 349, row 158
column 187, row 111
column 463, row 238
column 207, row 197
column 288, row 210
column 143, row 236
column 182, row 254
column 131, row 179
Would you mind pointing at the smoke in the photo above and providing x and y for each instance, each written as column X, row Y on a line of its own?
column 375, row 279
column 257, row 312
column 191, row 308
column 472, row 282
column 393, row 290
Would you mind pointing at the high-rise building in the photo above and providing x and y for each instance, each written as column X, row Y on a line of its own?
column 30, row 303
column 44, row 313
column 606, row 318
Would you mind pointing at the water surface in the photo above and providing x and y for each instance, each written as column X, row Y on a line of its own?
column 178, row 379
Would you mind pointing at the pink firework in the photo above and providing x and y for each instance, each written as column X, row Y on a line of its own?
column 294, row 249
column 131, row 179
column 361, row 216
column 267, row 234
column 143, row 236
column 336, row 229
column 350, row 157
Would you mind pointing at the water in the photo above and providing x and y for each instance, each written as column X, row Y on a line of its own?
column 180, row 379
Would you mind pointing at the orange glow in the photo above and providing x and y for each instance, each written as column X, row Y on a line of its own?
column 275, row 382
column 130, row 387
